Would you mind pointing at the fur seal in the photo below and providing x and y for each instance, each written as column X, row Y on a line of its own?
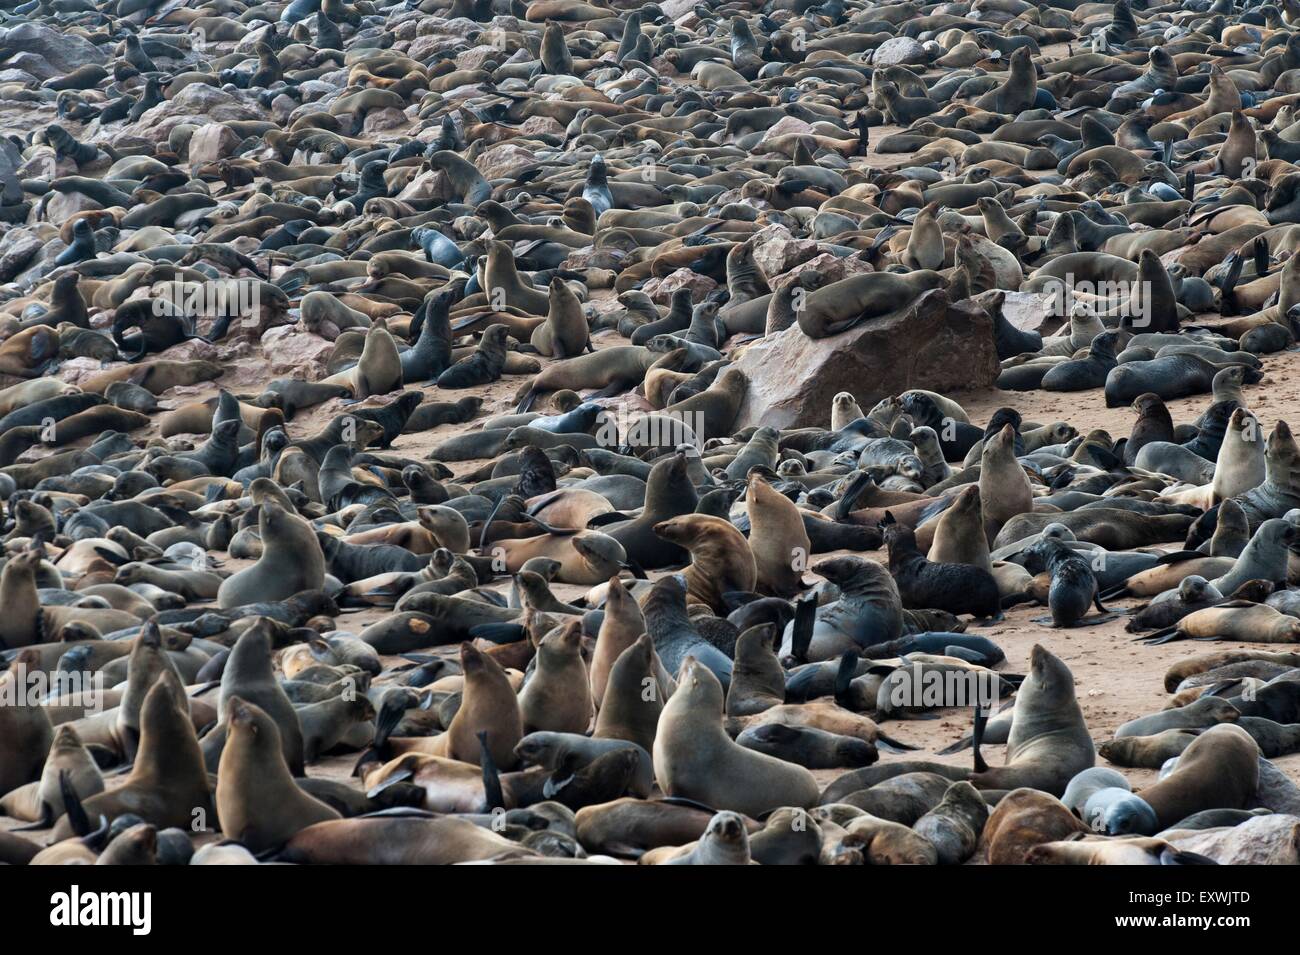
column 695, row 759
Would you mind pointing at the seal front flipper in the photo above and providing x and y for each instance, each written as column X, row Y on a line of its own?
column 77, row 817
column 112, row 556
column 1227, row 295
column 397, row 776
column 977, row 737
column 609, row 517
column 845, row 504
column 492, row 791
column 1261, row 253
column 805, row 620
column 496, row 509
column 390, row 715
column 844, row 677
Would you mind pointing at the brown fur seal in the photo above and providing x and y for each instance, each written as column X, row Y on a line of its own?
column 291, row 562
column 619, row 628
column 1219, row 770
column 488, row 705
column 557, row 697
column 564, row 334
column 839, row 306
column 1004, row 488
column 168, row 784
column 258, row 802
column 721, row 560
column 1022, row 820
column 694, row 758
column 69, row 763
column 25, row 731
column 777, row 539
column 379, row 369
column 634, row 696
column 396, row 840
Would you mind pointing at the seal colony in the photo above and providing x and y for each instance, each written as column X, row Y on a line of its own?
column 386, row 475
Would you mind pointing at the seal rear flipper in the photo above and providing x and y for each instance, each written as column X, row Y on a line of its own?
column 622, row 850
column 956, row 747
column 400, row 795
column 735, row 599
column 1177, row 558
column 1167, row 635
column 1011, row 600
column 1216, row 689
column 553, row 785
column 609, row 391
column 293, row 280
column 401, row 812
column 637, row 570
column 499, row 633
column 889, row 744
column 266, row 855
column 526, row 402
column 419, row 658
column 218, row 330
column 883, row 236
column 609, row 517
column 1096, row 602
column 1172, row 856
column 850, row 495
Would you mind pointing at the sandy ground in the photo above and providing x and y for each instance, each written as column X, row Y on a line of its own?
column 1116, row 679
